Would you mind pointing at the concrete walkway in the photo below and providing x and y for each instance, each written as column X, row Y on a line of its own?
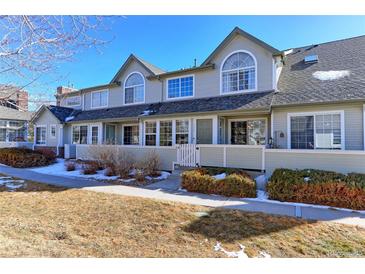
column 168, row 191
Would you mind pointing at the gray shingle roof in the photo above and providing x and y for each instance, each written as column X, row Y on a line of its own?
column 250, row 101
column 298, row 86
column 62, row 113
column 13, row 114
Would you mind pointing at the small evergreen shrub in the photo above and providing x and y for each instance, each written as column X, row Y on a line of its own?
column 318, row 187
column 23, row 157
column 70, row 166
column 234, row 185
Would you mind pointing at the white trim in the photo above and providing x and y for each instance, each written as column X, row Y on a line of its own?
column 272, row 125
column 180, row 97
column 35, row 135
column 107, row 99
column 274, row 73
column 314, row 113
column 212, row 117
column 144, row 132
column 60, row 137
column 363, row 124
column 144, row 89
column 50, row 131
column 247, row 119
column 317, row 151
column 90, row 134
column 221, row 74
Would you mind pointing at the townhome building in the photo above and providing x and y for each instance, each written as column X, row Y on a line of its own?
column 248, row 105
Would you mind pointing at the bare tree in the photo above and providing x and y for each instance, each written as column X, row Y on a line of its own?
column 33, row 45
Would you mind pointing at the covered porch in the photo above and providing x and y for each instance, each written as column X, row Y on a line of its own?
column 152, row 131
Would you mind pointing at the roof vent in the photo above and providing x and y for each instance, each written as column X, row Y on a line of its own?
column 311, row 59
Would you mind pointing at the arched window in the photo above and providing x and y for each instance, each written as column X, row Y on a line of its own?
column 238, row 73
column 134, row 88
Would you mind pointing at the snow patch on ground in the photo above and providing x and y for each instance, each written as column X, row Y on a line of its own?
column 220, row 176
column 331, row 74
column 163, row 176
column 261, row 182
column 58, row 169
column 261, row 195
column 10, row 184
column 239, row 254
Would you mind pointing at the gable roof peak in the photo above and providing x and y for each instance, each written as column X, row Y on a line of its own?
column 239, row 31
column 148, row 66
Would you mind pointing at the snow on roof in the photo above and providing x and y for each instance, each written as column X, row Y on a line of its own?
column 331, row 74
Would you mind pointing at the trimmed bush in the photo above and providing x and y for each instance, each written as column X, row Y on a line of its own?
column 234, row 185
column 70, row 166
column 23, row 157
column 318, row 187
column 48, row 153
column 89, row 169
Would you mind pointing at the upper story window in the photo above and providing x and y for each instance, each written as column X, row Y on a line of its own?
column 99, row 99
column 73, row 101
column 180, row 87
column 238, row 73
column 134, row 88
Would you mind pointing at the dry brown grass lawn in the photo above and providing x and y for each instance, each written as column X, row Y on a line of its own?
column 45, row 221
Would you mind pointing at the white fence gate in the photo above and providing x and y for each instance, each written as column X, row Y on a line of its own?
column 188, row 155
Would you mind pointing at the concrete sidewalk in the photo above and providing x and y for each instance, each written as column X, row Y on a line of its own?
column 158, row 191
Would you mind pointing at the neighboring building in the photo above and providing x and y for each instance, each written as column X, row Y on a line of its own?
column 245, row 93
column 14, row 115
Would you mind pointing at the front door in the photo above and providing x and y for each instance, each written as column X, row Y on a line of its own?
column 204, row 131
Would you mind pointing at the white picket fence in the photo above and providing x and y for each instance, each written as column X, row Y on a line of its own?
column 188, row 155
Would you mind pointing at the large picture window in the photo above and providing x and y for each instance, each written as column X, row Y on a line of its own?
column 248, row 132
column 99, row 99
column 180, row 87
column 79, row 134
column 165, row 133
column 150, row 135
column 316, row 131
column 134, row 89
column 238, row 73
column 131, row 135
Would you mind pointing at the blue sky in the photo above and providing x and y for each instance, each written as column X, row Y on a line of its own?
column 172, row 42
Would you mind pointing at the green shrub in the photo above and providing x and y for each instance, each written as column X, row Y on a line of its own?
column 23, row 157
column 318, row 187
column 234, row 185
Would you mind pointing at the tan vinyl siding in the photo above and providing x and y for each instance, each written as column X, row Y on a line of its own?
column 167, row 155
column 211, row 156
column 353, row 116
column 344, row 162
column 116, row 95
column 244, row 157
column 47, row 119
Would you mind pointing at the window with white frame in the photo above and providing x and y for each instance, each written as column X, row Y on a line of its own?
column 40, row 134
column 316, row 131
column 248, row 132
column 150, row 133
column 79, row 134
column 180, row 87
column 166, row 133
column 182, row 132
column 238, row 73
column 134, row 89
column 73, row 101
column 99, row 99
column 52, row 131
column 131, row 135
column 94, row 135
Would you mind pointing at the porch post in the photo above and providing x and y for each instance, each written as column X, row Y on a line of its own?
column 140, row 124
column 215, row 130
